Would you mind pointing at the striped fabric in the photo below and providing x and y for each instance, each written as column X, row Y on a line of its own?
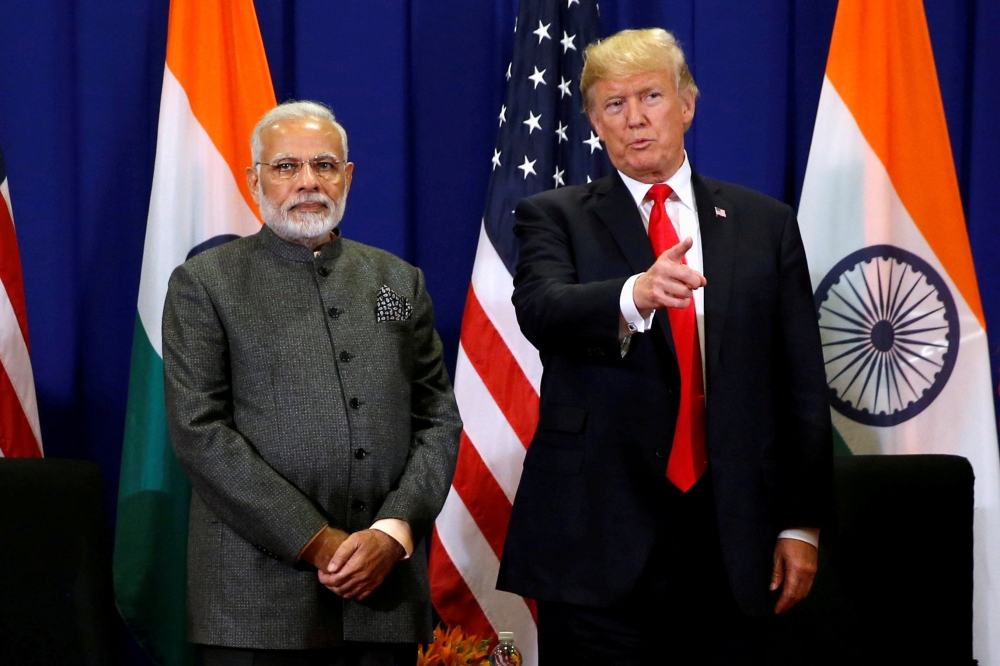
column 544, row 141
column 20, row 434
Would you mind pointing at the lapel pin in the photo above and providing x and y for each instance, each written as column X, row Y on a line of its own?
column 719, row 212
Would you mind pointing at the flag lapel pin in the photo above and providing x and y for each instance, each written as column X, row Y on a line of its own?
column 720, row 212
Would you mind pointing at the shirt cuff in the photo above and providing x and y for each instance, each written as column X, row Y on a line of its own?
column 398, row 530
column 808, row 534
column 634, row 320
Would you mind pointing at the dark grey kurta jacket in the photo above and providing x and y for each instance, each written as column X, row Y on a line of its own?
column 291, row 406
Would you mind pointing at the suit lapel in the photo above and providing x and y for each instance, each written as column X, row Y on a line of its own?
column 718, row 241
column 617, row 211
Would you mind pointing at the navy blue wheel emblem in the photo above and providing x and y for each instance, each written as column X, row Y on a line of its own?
column 890, row 334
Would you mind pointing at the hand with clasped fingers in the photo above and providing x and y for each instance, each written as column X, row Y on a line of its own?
column 361, row 564
column 669, row 283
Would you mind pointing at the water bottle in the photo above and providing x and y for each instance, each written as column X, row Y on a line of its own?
column 505, row 654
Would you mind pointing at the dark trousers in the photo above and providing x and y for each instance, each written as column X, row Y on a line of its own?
column 350, row 654
column 681, row 611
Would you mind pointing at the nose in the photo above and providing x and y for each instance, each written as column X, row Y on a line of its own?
column 634, row 112
column 307, row 179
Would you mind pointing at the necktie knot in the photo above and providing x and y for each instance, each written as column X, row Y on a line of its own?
column 659, row 193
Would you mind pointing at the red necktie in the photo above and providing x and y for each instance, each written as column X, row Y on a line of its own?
column 688, row 460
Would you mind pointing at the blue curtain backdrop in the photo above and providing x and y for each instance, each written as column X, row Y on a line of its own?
column 418, row 84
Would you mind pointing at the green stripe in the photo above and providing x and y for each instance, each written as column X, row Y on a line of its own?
column 840, row 447
column 150, row 560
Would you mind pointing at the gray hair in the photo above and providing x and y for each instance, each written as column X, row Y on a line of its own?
column 291, row 110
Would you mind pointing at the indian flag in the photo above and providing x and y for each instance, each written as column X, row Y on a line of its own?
column 896, row 293
column 216, row 85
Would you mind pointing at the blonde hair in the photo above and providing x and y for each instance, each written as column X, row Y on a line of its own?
column 631, row 52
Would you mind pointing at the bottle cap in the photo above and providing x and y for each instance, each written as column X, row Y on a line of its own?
column 506, row 635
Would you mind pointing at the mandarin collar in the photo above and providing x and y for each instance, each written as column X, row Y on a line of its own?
column 295, row 252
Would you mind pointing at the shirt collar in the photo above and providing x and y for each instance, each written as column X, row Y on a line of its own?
column 680, row 183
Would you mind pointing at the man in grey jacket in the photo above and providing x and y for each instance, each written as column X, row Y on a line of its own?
column 310, row 407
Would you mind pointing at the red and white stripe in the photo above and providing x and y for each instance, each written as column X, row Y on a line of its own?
column 20, row 434
column 497, row 378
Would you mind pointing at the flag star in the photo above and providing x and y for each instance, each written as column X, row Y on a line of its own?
column 564, row 87
column 588, row 179
column 538, row 77
column 567, row 42
column 558, row 177
column 528, row 167
column 561, row 131
column 508, row 70
column 594, row 142
column 496, row 159
column 571, row 2
column 533, row 124
column 503, row 114
column 542, row 32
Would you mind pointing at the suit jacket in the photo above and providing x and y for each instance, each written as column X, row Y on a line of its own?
column 290, row 406
column 585, row 518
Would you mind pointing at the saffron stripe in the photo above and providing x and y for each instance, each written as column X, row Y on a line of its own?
column 482, row 495
column 498, row 369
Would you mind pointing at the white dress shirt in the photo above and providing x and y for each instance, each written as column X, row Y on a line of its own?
column 682, row 209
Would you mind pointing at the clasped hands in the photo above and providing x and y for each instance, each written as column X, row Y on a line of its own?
column 669, row 283
column 354, row 565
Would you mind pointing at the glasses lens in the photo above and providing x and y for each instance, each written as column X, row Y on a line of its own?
column 327, row 169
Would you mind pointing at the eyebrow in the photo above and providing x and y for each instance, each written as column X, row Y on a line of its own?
column 286, row 156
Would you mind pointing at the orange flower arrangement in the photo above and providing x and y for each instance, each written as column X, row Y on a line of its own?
column 451, row 647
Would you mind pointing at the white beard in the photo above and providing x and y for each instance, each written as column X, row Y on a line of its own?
column 302, row 225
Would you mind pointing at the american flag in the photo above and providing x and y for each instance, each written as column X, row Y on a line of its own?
column 20, row 435
column 544, row 141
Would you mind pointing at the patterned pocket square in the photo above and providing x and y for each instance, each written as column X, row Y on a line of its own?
column 390, row 306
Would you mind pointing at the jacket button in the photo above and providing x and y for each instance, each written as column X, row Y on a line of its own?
column 323, row 270
column 357, row 505
column 355, row 403
column 334, row 313
column 360, row 454
column 345, row 357
column 661, row 453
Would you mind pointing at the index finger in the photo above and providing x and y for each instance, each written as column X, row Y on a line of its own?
column 344, row 553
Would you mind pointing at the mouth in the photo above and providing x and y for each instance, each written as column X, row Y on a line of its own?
column 639, row 144
column 308, row 207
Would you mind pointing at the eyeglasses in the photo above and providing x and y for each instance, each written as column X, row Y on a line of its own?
column 327, row 168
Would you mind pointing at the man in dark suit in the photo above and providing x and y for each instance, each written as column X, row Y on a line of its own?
column 672, row 497
column 310, row 407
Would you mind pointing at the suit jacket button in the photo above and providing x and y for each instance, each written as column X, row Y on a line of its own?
column 357, row 505
column 334, row 313
column 661, row 453
column 323, row 270
column 345, row 357
column 360, row 454
column 355, row 403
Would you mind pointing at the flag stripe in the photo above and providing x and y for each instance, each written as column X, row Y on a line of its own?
column 482, row 495
column 889, row 82
column 478, row 565
column 498, row 445
column 226, row 77
column 494, row 287
column 17, row 439
column 498, row 369
column 10, row 269
column 455, row 602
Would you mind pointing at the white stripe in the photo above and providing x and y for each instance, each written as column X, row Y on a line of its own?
column 494, row 286
column 849, row 202
column 487, row 427
column 5, row 192
column 479, row 566
column 17, row 363
column 194, row 197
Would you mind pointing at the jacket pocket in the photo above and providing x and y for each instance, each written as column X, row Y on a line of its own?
column 543, row 458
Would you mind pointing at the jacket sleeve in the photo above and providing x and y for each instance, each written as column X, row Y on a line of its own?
column 435, row 427
column 224, row 469
column 557, row 311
